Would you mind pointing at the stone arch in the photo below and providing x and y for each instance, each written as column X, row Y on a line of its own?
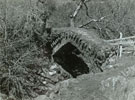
column 68, row 57
column 85, row 43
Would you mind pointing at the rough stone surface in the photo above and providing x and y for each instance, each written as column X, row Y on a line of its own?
column 42, row 97
column 79, row 43
column 114, row 84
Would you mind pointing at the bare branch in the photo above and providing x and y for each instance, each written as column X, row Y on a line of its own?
column 77, row 9
column 92, row 20
column 73, row 16
column 84, row 3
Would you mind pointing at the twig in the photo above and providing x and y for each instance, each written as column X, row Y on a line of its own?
column 92, row 20
column 84, row 3
column 25, row 54
column 73, row 16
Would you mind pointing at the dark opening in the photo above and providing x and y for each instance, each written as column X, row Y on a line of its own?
column 68, row 59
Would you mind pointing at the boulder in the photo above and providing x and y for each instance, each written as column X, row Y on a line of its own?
column 115, row 84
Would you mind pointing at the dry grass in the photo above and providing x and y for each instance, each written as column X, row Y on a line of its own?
column 22, row 44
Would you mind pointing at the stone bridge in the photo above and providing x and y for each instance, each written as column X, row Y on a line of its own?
column 78, row 51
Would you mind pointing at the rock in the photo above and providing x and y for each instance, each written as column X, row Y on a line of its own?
column 52, row 73
column 54, row 66
column 117, row 84
column 3, row 96
column 42, row 97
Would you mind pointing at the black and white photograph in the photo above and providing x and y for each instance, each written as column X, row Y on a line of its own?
column 67, row 49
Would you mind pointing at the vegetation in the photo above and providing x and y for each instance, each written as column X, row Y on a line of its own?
column 107, row 16
column 24, row 56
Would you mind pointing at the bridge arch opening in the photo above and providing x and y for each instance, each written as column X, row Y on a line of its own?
column 68, row 57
